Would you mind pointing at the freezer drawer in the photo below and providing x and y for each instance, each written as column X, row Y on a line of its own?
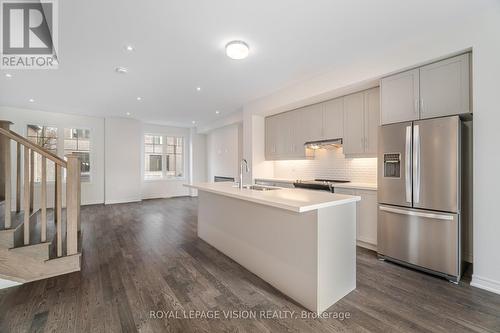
column 423, row 238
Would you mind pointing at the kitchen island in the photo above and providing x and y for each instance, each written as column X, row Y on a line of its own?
column 303, row 242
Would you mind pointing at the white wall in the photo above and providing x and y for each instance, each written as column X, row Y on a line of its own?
column 486, row 229
column 198, row 156
column 224, row 151
column 479, row 33
column 254, row 129
column 165, row 188
column 93, row 191
column 123, row 160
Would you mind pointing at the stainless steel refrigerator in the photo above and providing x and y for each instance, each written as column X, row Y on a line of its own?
column 420, row 195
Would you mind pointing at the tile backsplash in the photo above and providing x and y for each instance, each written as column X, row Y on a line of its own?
column 329, row 164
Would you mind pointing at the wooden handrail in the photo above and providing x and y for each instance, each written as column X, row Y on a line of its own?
column 33, row 146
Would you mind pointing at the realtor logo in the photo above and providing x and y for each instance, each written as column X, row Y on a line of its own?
column 29, row 33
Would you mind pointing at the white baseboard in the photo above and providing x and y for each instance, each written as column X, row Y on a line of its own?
column 366, row 245
column 485, row 283
column 119, row 201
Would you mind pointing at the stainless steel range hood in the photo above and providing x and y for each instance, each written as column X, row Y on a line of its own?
column 324, row 144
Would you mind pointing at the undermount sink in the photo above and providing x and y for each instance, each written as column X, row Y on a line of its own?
column 261, row 188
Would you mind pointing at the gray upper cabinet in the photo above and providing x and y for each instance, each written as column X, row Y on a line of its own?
column 333, row 119
column 372, row 120
column 285, row 136
column 435, row 90
column 361, row 121
column 354, row 132
column 355, row 118
column 311, row 122
column 271, row 137
column 399, row 97
column 444, row 87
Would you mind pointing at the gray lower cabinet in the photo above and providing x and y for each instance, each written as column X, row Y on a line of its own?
column 366, row 216
column 435, row 90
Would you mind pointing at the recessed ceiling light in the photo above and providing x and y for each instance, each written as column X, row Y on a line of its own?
column 31, row 100
column 129, row 48
column 194, row 122
column 121, row 70
column 139, row 98
column 237, row 49
column 128, row 113
column 198, row 88
column 8, row 75
column 217, row 112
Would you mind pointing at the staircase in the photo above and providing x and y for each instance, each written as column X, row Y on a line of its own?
column 37, row 242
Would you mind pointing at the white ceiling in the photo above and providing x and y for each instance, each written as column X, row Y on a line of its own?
column 179, row 45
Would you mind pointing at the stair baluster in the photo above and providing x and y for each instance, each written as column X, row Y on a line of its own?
column 72, row 203
column 7, row 177
column 43, row 201
column 18, row 178
column 27, row 196
column 32, row 180
column 58, row 210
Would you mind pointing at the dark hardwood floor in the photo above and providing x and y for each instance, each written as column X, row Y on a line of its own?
column 144, row 257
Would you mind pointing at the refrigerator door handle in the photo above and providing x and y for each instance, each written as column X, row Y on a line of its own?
column 416, row 164
column 418, row 214
column 407, row 164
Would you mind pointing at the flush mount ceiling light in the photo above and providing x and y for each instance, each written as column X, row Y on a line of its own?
column 194, row 122
column 129, row 48
column 8, row 75
column 128, row 113
column 121, row 70
column 198, row 88
column 31, row 100
column 217, row 112
column 237, row 50
column 139, row 98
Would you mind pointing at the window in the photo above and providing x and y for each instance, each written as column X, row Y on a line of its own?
column 78, row 141
column 153, row 148
column 163, row 157
column 175, row 165
column 46, row 137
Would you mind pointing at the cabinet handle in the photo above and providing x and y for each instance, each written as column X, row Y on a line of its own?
column 416, row 105
column 421, row 105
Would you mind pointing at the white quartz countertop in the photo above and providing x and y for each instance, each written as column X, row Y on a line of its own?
column 296, row 200
column 355, row 185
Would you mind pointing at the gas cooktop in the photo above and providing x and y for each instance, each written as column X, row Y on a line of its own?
column 332, row 180
column 315, row 181
column 319, row 184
